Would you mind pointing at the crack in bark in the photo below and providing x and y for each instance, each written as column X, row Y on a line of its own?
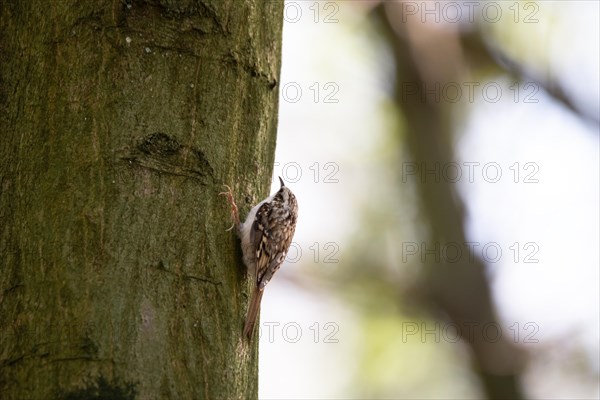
column 162, row 153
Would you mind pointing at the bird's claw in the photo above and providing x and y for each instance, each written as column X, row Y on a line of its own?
column 234, row 209
column 228, row 193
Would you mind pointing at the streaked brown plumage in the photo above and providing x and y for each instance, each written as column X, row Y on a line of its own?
column 266, row 236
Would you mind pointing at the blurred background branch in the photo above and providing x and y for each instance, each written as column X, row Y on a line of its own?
column 426, row 57
column 484, row 54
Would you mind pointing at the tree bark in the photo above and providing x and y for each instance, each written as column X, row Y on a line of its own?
column 119, row 123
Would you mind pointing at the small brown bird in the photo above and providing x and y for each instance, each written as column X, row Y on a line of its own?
column 266, row 236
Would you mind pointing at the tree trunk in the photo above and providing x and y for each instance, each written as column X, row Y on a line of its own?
column 119, row 123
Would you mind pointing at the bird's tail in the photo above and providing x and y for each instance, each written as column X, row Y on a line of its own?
column 253, row 312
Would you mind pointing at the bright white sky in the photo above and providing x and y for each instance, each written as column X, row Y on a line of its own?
column 559, row 214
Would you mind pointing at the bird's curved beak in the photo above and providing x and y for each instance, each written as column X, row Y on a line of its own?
column 281, row 181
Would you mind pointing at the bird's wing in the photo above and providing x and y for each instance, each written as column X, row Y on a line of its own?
column 276, row 245
column 260, row 238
